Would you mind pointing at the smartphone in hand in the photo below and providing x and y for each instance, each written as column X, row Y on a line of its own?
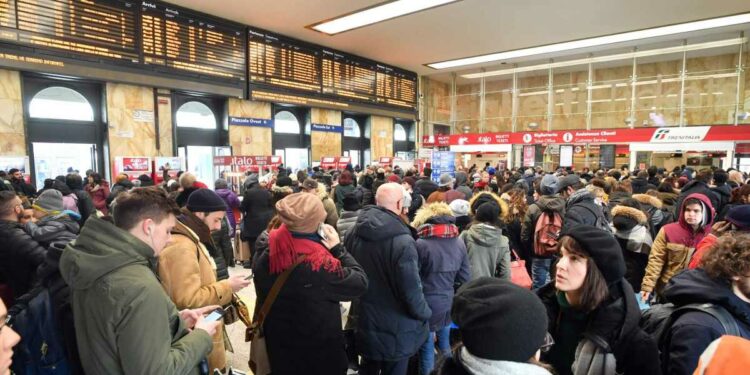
column 214, row 315
column 321, row 231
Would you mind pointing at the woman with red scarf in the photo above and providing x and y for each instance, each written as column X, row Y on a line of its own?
column 303, row 328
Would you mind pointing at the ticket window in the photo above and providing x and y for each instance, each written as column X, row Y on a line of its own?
column 670, row 160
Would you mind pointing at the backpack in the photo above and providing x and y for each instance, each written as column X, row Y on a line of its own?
column 42, row 348
column 600, row 222
column 658, row 320
column 546, row 232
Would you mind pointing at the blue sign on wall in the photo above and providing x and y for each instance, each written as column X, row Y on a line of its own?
column 443, row 162
column 327, row 128
column 246, row 121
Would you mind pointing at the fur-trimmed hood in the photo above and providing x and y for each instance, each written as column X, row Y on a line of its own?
column 630, row 212
column 429, row 211
column 647, row 199
column 488, row 195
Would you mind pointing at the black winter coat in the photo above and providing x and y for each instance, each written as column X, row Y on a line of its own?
column 22, row 188
column 425, row 186
column 700, row 187
column 693, row 331
column 20, row 256
column 616, row 322
column 257, row 211
column 303, row 329
column 221, row 250
column 724, row 192
column 393, row 313
column 182, row 197
column 85, row 205
column 581, row 209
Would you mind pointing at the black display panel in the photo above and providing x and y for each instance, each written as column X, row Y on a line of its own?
column 94, row 28
column 283, row 63
column 177, row 38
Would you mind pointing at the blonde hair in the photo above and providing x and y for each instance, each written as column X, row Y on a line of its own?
column 187, row 180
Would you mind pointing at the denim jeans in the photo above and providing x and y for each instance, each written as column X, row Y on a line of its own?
column 427, row 351
column 540, row 272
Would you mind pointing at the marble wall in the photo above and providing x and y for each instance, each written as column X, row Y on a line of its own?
column 325, row 143
column 250, row 140
column 130, row 112
column 12, row 136
column 381, row 137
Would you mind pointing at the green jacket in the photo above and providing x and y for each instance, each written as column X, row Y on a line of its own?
column 125, row 323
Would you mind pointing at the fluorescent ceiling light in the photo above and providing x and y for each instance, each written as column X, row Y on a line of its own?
column 598, row 41
column 375, row 14
column 601, row 59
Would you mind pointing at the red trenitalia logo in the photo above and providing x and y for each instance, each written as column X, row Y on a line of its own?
column 661, row 134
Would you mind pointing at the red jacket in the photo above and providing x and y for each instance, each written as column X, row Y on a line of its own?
column 701, row 250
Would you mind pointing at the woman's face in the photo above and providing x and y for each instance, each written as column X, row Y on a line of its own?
column 571, row 271
column 91, row 180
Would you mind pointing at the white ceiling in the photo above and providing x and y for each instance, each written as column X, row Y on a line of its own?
column 466, row 28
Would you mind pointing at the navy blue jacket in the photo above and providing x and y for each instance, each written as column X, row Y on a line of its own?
column 393, row 313
column 694, row 331
column 443, row 262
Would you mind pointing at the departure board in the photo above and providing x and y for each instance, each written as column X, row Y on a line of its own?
column 179, row 39
column 275, row 60
column 288, row 64
column 95, row 28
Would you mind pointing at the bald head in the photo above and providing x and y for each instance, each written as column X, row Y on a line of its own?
column 390, row 197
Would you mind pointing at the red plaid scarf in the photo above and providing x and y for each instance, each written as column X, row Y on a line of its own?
column 438, row 230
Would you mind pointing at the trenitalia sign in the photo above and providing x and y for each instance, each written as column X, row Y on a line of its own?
column 690, row 134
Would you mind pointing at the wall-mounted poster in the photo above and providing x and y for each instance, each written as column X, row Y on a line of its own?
column 443, row 162
column 529, row 154
column 566, row 156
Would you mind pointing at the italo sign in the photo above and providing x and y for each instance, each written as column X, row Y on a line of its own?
column 245, row 161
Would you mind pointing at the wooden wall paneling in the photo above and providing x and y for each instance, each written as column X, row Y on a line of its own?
column 129, row 134
column 438, row 101
column 710, row 89
column 498, row 105
column 570, row 99
column 325, row 143
column 12, row 135
column 250, row 140
column 532, row 100
column 381, row 137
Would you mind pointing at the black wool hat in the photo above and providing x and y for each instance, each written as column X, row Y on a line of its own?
column 487, row 212
column 351, row 201
column 205, row 200
column 283, row 181
column 602, row 247
column 499, row 320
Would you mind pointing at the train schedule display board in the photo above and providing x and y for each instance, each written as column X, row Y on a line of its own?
column 93, row 29
column 179, row 39
column 283, row 63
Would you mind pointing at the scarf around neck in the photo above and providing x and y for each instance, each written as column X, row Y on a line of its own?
column 480, row 366
column 285, row 249
column 636, row 238
column 438, row 231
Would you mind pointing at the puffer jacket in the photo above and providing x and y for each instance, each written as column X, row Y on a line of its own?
column 724, row 192
column 613, row 323
column 188, row 275
column 347, row 220
column 674, row 246
column 221, row 250
column 393, row 313
column 443, row 262
column 54, row 228
column 528, row 225
column 124, row 322
column 693, row 331
column 635, row 242
column 20, row 256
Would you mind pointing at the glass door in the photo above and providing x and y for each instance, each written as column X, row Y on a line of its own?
column 59, row 159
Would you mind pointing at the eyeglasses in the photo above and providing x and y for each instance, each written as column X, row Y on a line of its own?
column 549, row 342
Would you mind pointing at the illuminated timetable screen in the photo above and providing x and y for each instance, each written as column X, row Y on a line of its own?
column 177, row 39
column 280, row 62
column 98, row 28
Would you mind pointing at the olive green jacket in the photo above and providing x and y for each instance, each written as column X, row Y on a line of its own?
column 124, row 321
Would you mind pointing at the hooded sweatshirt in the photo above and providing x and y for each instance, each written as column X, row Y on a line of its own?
column 124, row 321
column 674, row 246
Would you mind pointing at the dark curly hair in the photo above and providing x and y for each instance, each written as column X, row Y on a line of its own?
column 729, row 257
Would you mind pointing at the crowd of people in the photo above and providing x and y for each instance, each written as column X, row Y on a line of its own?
column 484, row 271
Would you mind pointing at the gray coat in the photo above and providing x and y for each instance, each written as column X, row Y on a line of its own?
column 59, row 228
column 488, row 250
column 346, row 222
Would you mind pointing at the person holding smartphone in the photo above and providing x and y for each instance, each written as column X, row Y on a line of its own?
column 303, row 329
column 187, row 270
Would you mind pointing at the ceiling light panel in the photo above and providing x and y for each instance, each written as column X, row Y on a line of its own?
column 599, row 41
column 376, row 14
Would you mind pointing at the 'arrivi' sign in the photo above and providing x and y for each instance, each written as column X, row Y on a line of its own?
column 689, row 134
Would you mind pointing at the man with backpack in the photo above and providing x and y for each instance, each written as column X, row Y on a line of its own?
column 580, row 207
column 540, row 226
column 709, row 302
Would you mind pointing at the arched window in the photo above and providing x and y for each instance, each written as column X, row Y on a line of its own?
column 285, row 122
column 195, row 114
column 60, row 103
column 351, row 128
column 399, row 133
